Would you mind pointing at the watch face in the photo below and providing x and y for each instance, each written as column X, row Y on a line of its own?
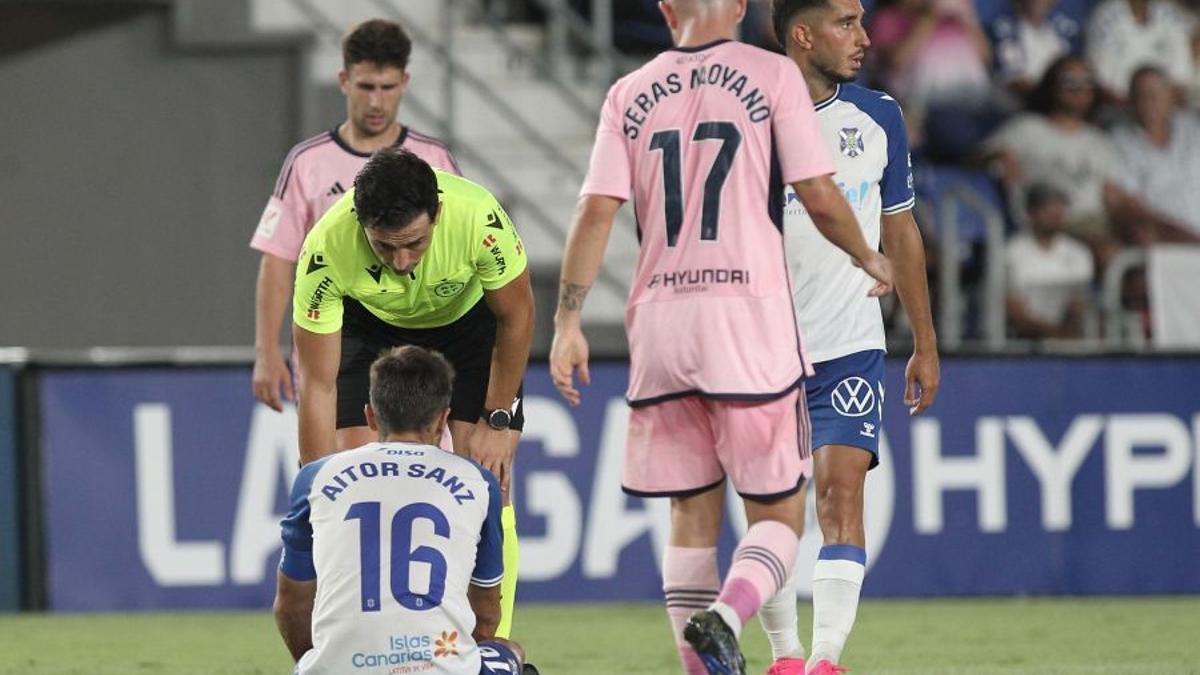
column 499, row 418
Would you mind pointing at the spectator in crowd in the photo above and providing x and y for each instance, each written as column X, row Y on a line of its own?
column 933, row 56
column 1193, row 92
column 1048, row 272
column 1028, row 39
column 1160, row 160
column 1055, row 143
column 1123, row 35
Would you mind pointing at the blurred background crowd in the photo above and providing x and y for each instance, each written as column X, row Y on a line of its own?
column 1055, row 148
column 1072, row 123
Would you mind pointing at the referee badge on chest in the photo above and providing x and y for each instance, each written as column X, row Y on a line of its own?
column 850, row 142
column 448, row 288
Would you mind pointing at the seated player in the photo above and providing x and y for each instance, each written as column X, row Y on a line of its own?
column 392, row 551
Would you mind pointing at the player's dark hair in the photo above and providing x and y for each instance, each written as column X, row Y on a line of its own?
column 393, row 189
column 784, row 11
column 378, row 41
column 410, row 388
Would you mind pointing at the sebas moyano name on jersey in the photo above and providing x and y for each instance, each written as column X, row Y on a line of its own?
column 713, row 75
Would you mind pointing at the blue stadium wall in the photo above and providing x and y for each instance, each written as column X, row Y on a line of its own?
column 162, row 488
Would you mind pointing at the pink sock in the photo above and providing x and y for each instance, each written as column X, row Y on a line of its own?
column 760, row 567
column 690, row 584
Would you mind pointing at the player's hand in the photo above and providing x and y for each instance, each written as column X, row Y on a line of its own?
column 271, row 374
column 921, row 379
column 880, row 268
column 493, row 448
column 568, row 353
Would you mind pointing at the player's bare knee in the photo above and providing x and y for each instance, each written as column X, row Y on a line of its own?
column 839, row 499
column 696, row 519
column 789, row 511
column 691, row 530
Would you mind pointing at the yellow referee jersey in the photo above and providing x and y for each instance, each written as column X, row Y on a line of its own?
column 475, row 247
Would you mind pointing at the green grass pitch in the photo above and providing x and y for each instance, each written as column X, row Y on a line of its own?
column 929, row 637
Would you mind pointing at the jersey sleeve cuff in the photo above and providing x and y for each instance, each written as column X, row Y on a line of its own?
column 296, row 564
column 605, row 191
column 815, row 171
column 899, row 208
column 487, row 583
column 277, row 251
column 312, row 327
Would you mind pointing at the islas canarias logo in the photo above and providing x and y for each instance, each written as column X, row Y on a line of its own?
column 446, row 645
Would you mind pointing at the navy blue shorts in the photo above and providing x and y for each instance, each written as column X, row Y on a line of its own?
column 845, row 402
column 498, row 658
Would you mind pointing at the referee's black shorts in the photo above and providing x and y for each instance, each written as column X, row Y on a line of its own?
column 467, row 344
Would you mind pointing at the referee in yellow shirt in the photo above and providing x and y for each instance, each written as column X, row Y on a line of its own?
column 413, row 255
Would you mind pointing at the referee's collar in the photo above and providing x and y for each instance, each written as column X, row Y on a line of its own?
column 825, row 103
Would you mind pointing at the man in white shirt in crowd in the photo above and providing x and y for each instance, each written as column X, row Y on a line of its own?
column 1160, row 158
column 1048, row 272
column 1123, row 35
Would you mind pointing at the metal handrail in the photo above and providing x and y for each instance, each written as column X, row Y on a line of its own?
column 596, row 35
column 1110, row 298
column 541, row 219
column 950, row 330
column 584, row 109
column 499, row 103
column 949, row 289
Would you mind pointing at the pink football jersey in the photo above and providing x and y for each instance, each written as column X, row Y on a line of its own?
column 703, row 140
column 315, row 174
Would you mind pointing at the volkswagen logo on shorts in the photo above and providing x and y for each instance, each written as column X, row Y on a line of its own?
column 853, row 397
column 448, row 289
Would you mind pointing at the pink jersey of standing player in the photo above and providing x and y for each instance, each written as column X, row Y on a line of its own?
column 315, row 174
column 703, row 140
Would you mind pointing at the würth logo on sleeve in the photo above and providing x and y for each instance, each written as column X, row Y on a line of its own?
column 316, row 262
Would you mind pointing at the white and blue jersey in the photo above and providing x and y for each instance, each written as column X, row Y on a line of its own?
column 864, row 131
column 393, row 533
column 843, row 327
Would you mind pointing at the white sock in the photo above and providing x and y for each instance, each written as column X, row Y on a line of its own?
column 836, row 587
column 779, row 622
column 728, row 615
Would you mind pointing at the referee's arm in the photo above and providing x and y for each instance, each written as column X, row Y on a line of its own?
column 512, row 305
column 318, row 355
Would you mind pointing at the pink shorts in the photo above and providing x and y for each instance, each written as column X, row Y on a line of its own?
column 685, row 446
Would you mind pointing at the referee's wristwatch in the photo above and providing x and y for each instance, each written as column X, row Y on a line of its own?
column 498, row 419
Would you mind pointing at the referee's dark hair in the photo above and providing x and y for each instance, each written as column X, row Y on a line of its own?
column 393, row 189
column 378, row 41
column 410, row 388
column 784, row 11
